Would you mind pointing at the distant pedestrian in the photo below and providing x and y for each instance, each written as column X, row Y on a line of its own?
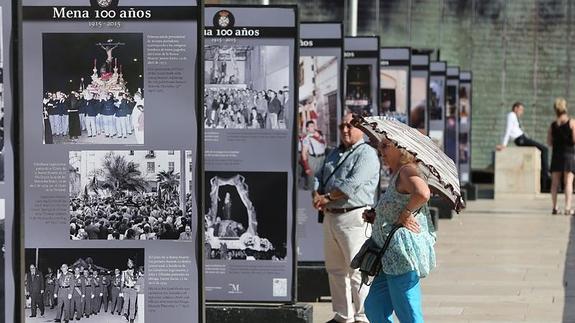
column 561, row 137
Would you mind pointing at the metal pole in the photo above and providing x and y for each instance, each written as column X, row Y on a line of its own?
column 353, row 17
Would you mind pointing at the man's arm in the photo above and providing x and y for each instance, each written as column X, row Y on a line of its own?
column 507, row 135
column 304, row 158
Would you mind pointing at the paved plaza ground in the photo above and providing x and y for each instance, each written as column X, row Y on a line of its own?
column 500, row 261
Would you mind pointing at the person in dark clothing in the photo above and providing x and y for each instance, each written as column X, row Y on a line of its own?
column 35, row 287
column 91, row 109
column 108, row 111
column 561, row 137
column 274, row 108
column 92, row 230
column 74, row 126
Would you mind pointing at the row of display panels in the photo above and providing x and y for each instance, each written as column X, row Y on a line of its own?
column 95, row 169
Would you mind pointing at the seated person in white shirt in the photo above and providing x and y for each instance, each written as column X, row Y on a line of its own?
column 513, row 131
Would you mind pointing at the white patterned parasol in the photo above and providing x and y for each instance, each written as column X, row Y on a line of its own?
column 436, row 167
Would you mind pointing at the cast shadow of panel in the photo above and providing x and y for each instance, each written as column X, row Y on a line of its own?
column 569, row 278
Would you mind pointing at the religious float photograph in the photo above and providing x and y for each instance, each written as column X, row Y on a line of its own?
column 358, row 90
column 246, row 215
column 246, row 87
column 127, row 195
column 93, row 88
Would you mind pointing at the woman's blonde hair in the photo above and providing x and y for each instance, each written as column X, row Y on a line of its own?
column 560, row 106
column 406, row 157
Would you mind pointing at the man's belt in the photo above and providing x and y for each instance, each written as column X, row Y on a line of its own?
column 64, row 286
column 344, row 210
column 317, row 156
column 129, row 286
column 88, row 285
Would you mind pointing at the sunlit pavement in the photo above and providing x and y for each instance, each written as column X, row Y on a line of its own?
column 500, row 261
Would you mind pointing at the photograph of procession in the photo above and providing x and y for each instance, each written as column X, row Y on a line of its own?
column 127, row 195
column 92, row 285
column 247, row 87
column 242, row 222
column 93, row 88
column 317, row 115
column 358, row 89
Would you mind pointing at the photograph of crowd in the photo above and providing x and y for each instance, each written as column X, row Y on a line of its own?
column 241, row 220
column 247, row 87
column 127, row 195
column 94, row 95
column 358, row 89
column 92, row 285
column 418, row 103
column 393, row 92
column 317, row 115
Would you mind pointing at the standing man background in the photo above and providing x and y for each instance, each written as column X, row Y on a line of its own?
column 63, row 291
column 312, row 154
column 49, row 292
column 117, row 300
column 514, row 131
column 129, row 292
column 35, row 286
column 347, row 186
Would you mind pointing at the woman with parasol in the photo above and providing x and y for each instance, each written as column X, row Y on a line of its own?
column 416, row 164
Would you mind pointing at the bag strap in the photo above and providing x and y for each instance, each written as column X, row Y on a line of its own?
column 388, row 240
column 323, row 183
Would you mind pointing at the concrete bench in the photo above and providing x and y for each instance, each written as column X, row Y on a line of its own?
column 517, row 173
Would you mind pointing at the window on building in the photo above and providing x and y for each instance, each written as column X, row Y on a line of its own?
column 151, row 167
column 171, row 166
column 190, row 167
column 170, row 152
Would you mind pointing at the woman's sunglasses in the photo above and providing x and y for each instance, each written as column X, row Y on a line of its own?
column 345, row 125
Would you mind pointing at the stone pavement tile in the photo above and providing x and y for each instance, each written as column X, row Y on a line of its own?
column 442, row 310
column 460, row 300
column 471, row 290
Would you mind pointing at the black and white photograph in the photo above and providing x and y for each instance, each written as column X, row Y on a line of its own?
column 317, row 115
column 358, row 89
column 246, row 215
column 93, row 88
column 127, row 195
column 91, row 285
column 246, row 87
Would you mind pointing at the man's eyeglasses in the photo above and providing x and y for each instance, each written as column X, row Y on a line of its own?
column 345, row 125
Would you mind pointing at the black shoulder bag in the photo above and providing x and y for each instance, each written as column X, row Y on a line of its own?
column 368, row 259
